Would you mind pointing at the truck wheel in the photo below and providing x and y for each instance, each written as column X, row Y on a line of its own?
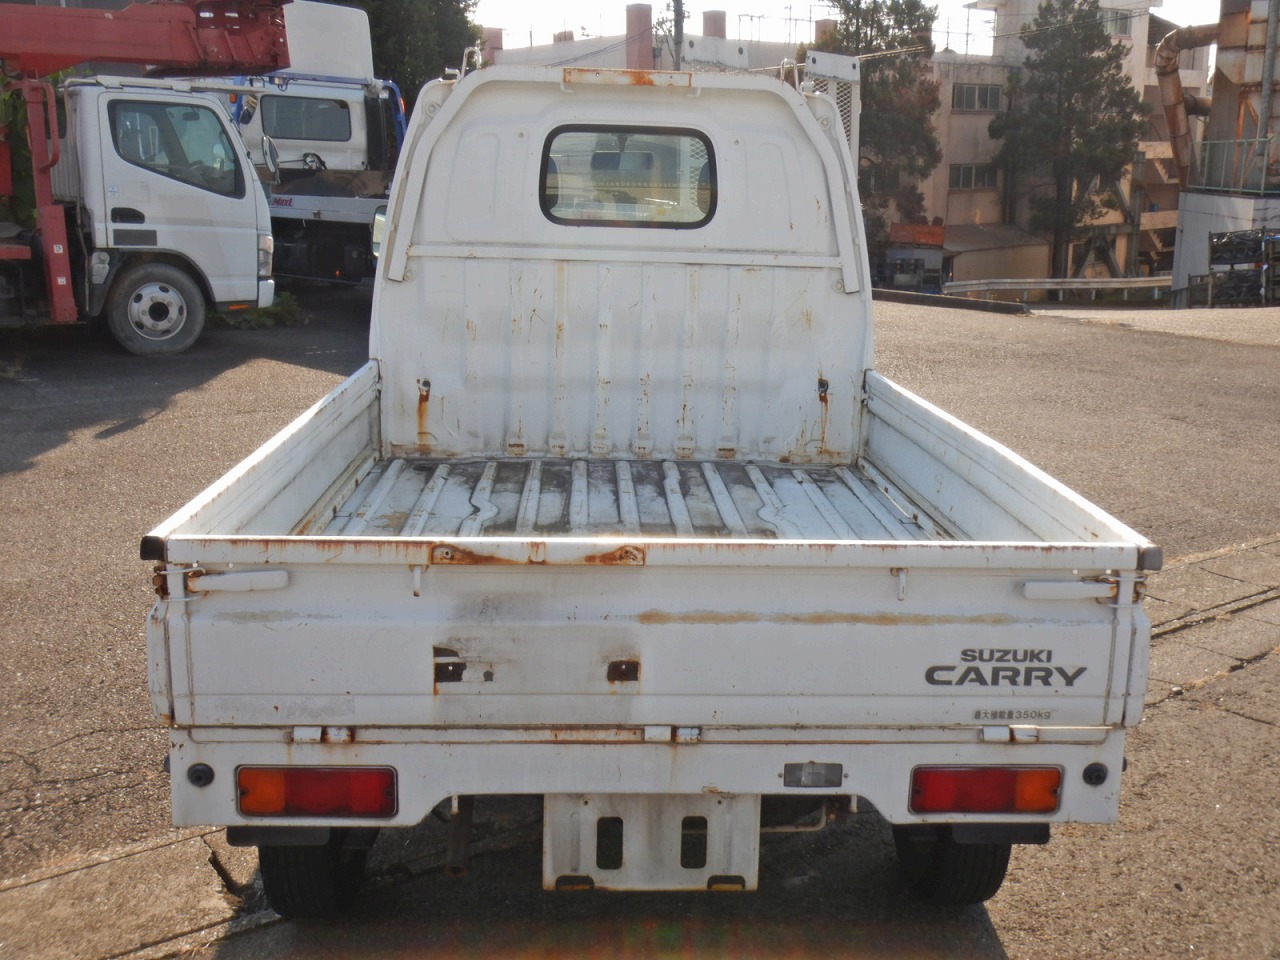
column 944, row 872
column 155, row 308
column 312, row 883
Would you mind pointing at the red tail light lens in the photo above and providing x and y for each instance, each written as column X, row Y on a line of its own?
column 316, row 791
column 985, row 789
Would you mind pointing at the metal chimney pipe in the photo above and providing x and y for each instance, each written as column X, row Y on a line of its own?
column 1171, row 95
column 1268, row 85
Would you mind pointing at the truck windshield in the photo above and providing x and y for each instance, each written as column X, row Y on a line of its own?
column 628, row 177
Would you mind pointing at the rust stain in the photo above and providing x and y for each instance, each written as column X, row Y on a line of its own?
column 446, row 554
column 824, row 388
column 630, row 78
column 626, row 556
column 817, row 618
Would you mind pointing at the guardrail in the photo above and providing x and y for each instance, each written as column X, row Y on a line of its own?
column 1092, row 286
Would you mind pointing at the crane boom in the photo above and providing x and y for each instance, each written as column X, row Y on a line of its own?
column 213, row 37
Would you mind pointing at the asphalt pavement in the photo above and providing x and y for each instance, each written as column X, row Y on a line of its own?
column 1189, row 871
column 1216, row 625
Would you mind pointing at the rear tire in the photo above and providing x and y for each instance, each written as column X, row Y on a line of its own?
column 312, row 883
column 944, row 872
column 154, row 309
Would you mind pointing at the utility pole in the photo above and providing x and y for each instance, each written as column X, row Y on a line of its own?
column 679, row 16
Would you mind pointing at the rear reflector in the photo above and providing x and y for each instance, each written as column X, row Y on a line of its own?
column 985, row 789
column 316, row 791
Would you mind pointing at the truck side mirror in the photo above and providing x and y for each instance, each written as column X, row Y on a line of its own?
column 379, row 229
column 270, row 155
column 247, row 110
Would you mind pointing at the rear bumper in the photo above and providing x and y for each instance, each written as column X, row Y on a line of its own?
column 266, row 293
column 432, row 765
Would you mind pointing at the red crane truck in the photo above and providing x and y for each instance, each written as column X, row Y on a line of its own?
column 142, row 206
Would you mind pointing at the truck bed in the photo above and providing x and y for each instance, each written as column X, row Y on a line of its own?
column 327, row 550
column 328, row 481
column 422, row 497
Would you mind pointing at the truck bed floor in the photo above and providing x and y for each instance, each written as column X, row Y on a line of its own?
column 536, row 497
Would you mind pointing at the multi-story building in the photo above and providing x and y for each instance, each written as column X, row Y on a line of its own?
column 966, row 192
column 984, row 226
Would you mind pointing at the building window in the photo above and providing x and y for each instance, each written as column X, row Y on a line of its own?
column 973, row 176
column 1117, row 22
column 976, row 96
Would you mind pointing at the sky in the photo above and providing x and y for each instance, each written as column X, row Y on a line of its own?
column 524, row 21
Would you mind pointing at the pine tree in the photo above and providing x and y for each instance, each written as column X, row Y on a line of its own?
column 899, row 146
column 1072, row 122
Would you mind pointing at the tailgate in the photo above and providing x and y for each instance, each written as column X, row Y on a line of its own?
column 568, row 633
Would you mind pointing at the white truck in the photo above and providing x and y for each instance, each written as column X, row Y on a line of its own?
column 171, row 216
column 327, row 132
column 141, row 207
column 620, row 514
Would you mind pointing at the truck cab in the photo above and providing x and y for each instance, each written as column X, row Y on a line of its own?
column 322, row 124
column 165, row 217
column 174, row 218
column 131, row 200
column 325, row 134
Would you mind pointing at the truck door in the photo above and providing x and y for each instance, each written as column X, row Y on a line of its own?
column 173, row 181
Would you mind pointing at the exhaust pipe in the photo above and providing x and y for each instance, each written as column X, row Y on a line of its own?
column 1172, row 97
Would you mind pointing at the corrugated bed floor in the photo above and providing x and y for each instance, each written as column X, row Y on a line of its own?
column 565, row 497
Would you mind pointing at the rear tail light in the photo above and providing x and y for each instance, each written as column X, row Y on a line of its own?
column 985, row 789
column 316, row 791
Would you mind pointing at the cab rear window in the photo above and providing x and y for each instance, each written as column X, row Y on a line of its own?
column 610, row 176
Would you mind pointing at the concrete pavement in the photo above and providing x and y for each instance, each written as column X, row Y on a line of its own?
column 1214, row 616
column 1258, row 326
